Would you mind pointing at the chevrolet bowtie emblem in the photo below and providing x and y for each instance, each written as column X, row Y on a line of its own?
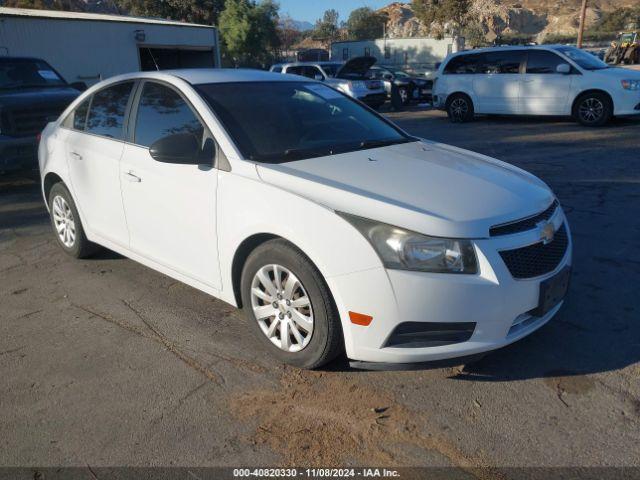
column 547, row 232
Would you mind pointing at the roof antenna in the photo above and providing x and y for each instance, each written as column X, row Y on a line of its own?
column 154, row 59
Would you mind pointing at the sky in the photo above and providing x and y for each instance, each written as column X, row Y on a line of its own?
column 311, row 10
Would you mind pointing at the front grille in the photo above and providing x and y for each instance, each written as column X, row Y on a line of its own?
column 537, row 259
column 30, row 121
column 524, row 224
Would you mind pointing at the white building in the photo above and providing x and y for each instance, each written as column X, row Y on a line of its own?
column 416, row 52
column 88, row 47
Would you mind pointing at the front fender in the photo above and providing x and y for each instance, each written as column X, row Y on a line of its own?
column 248, row 206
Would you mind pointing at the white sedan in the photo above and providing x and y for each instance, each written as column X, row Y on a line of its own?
column 332, row 228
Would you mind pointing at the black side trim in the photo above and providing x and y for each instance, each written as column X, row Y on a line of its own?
column 429, row 334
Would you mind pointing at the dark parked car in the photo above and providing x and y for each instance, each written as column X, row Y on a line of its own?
column 32, row 93
column 410, row 87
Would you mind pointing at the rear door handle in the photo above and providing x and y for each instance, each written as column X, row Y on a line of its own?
column 76, row 155
column 132, row 178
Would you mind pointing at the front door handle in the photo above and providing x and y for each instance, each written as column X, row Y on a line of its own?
column 132, row 178
column 76, row 155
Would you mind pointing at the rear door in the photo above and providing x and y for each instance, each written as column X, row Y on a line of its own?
column 497, row 83
column 94, row 149
column 170, row 207
column 544, row 91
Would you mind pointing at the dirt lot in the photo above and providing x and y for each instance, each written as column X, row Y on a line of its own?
column 105, row 362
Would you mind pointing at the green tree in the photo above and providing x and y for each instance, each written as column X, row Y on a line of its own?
column 364, row 24
column 455, row 13
column 249, row 32
column 204, row 12
column 327, row 29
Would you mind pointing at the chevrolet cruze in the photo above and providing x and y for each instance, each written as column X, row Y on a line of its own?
column 330, row 226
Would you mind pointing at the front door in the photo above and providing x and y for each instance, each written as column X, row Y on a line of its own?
column 94, row 149
column 170, row 207
column 497, row 83
column 544, row 91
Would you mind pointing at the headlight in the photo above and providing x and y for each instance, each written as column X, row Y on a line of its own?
column 405, row 250
column 631, row 84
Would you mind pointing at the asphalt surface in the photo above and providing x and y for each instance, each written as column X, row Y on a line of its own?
column 105, row 362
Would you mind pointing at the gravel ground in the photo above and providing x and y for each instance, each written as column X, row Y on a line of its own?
column 105, row 362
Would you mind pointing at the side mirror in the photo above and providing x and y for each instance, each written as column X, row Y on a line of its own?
column 80, row 86
column 563, row 68
column 181, row 148
column 318, row 77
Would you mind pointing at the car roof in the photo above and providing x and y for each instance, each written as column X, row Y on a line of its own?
column 321, row 63
column 22, row 58
column 509, row 47
column 198, row 76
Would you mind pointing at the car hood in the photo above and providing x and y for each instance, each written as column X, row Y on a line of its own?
column 37, row 96
column 618, row 72
column 426, row 187
column 356, row 67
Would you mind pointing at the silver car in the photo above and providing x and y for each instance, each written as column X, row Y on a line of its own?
column 349, row 77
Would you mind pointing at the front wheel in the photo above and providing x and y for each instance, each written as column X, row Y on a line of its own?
column 290, row 306
column 593, row 109
column 460, row 108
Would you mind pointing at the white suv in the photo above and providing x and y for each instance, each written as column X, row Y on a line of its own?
column 542, row 80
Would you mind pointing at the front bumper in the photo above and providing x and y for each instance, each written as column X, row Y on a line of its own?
column 18, row 153
column 627, row 103
column 497, row 303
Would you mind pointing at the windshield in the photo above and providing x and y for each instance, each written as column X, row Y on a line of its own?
column 331, row 69
column 582, row 58
column 401, row 73
column 276, row 122
column 27, row 73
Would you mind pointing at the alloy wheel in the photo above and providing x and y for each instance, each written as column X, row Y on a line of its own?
column 459, row 109
column 64, row 221
column 282, row 308
column 591, row 110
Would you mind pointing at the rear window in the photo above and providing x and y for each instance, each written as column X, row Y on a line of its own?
column 464, row 64
column 106, row 117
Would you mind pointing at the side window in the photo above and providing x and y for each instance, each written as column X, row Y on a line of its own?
column 311, row 72
column 295, row 70
column 77, row 119
column 465, row 64
column 542, row 61
column 106, row 116
column 163, row 112
column 505, row 62
column 276, row 69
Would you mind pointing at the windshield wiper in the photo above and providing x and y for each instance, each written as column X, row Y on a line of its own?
column 382, row 143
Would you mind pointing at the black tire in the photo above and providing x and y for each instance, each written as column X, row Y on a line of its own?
column 460, row 108
column 405, row 95
column 593, row 109
column 326, row 341
column 81, row 247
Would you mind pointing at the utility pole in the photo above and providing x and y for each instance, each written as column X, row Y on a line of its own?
column 583, row 17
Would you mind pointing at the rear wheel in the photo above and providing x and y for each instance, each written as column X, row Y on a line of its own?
column 593, row 109
column 289, row 305
column 67, row 225
column 460, row 108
